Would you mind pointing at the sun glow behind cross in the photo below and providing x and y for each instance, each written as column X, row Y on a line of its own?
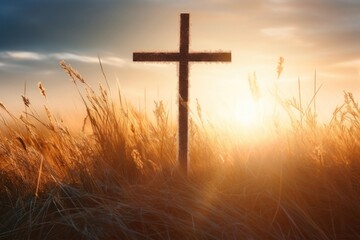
column 247, row 113
column 234, row 96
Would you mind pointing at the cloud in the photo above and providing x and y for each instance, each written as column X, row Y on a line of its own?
column 19, row 57
column 351, row 63
column 73, row 25
column 74, row 57
column 50, row 25
column 115, row 61
column 279, row 32
column 109, row 60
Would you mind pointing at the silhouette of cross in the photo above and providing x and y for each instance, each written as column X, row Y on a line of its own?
column 183, row 57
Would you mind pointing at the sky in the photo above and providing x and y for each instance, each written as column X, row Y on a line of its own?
column 311, row 35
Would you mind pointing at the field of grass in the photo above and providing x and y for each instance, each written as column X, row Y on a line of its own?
column 117, row 177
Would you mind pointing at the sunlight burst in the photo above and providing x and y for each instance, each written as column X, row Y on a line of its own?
column 246, row 113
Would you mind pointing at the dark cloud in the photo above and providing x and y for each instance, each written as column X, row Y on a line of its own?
column 49, row 24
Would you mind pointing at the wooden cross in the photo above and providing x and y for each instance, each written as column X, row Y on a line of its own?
column 183, row 57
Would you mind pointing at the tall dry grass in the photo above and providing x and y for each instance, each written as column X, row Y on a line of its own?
column 120, row 180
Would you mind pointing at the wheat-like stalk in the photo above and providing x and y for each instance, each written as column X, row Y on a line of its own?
column 73, row 73
column 254, row 87
column 42, row 89
column 280, row 66
column 26, row 101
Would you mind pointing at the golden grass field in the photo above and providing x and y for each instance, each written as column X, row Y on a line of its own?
column 117, row 177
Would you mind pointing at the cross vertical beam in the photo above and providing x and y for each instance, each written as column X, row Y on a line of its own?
column 183, row 92
column 183, row 57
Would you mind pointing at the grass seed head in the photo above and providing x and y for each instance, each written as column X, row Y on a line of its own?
column 26, row 101
column 73, row 73
column 280, row 66
column 3, row 106
column 42, row 89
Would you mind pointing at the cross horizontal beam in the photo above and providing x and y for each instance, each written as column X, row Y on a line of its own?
column 178, row 57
